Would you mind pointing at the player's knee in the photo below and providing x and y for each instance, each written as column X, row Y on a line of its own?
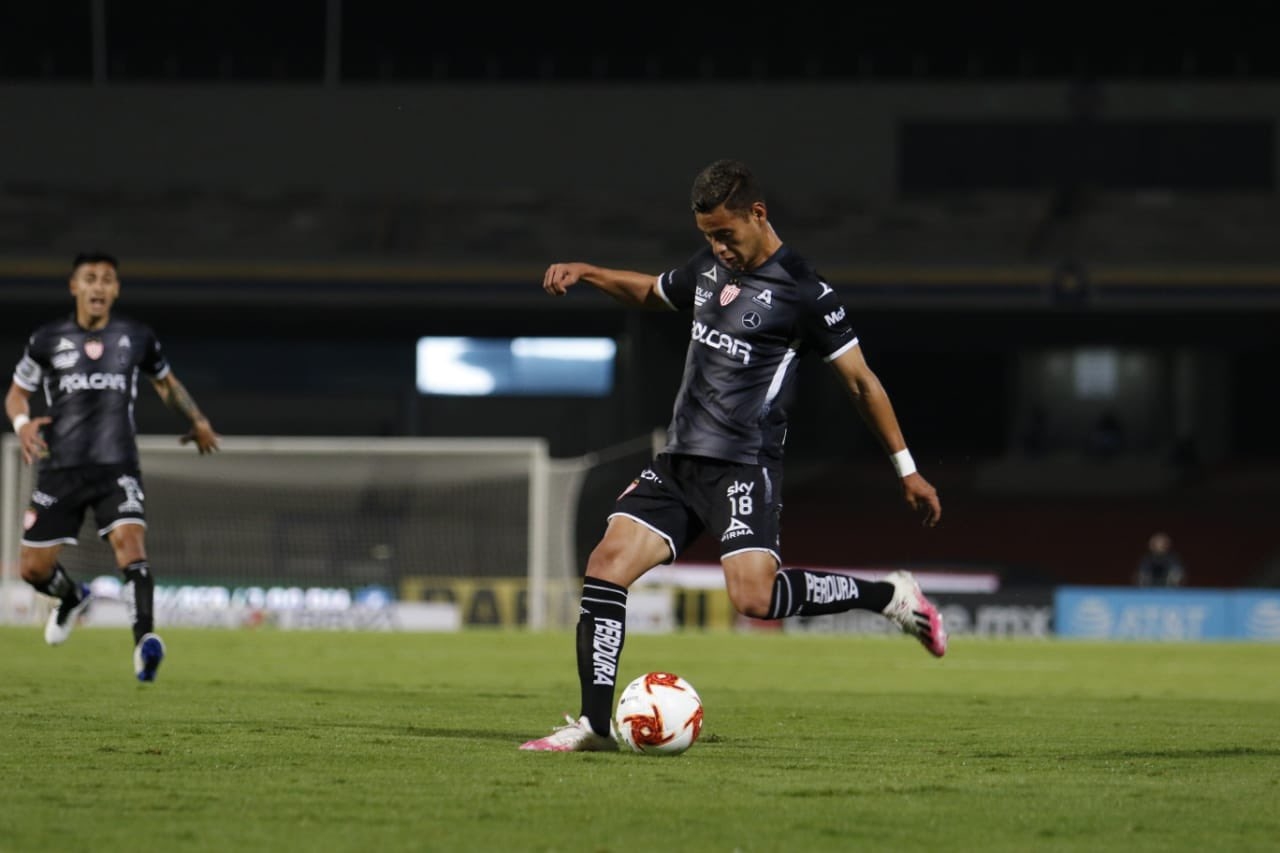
column 34, row 569
column 34, row 575
column 129, row 543
column 606, row 561
column 752, row 602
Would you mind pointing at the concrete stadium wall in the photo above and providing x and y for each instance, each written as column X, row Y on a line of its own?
column 488, row 138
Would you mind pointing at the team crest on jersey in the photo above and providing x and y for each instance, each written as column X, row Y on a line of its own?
column 93, row 349
column 729, row 293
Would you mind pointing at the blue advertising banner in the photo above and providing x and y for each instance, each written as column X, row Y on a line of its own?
column 1111, row 613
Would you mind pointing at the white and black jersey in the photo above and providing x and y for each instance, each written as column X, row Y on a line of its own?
column 90, row 382
column 748, row 331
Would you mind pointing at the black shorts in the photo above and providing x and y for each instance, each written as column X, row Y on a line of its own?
column 62, row 495
column 678, row 497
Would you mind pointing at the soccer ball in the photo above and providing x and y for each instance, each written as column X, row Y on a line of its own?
column 659, row 713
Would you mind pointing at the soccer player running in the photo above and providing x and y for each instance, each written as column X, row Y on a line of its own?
column 85, row 448
column 757, row 306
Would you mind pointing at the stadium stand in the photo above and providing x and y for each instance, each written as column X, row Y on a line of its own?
column 1149, row 227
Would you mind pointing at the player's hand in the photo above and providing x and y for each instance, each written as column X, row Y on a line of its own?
column 559, row 277
column 201, row 432
column 33, row 446
column 922, row 496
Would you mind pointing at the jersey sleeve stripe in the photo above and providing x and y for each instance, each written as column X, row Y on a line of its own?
column 844, row 349
column 662, row 294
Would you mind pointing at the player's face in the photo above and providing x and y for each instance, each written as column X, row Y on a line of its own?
column 737, row 238
column 94, row 287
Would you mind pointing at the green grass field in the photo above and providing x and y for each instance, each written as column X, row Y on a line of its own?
column 378, row 742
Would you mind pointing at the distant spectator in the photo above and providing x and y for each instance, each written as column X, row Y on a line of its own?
column 1160, row 565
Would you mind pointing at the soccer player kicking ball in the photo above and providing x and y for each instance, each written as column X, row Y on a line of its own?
column 86, row 450
column 757, row 307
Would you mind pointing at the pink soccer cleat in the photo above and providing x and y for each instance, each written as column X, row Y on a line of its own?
column 575, row 736
column 915, row 614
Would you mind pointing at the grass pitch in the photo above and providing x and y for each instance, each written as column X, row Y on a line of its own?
column 323, row 741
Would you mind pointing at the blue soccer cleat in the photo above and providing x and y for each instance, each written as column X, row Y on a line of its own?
column 147, row 656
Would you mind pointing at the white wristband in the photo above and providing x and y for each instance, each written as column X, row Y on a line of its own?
column 903, row 462
column 19, row 422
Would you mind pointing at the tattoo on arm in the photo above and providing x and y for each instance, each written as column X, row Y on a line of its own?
column 176, row 397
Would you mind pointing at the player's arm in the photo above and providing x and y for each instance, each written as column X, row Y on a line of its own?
column 175, row 396
column 18, row 408
column 637, row 289
column 873, row 404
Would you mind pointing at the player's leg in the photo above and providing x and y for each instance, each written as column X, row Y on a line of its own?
column 747, row 509
column 759, row 590
column 128, row 542
column 39, row 567
column 626, row 552
column 648, row 527
column 121, row 515
column 52, row 520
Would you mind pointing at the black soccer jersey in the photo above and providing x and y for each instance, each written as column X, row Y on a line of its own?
column 90, row 382
column 748, row 331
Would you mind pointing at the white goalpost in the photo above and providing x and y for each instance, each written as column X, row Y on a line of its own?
column 482, row 523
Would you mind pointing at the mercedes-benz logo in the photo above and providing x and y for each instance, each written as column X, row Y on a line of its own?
column 751, row 319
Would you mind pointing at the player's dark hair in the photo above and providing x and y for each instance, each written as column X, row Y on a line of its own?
column 727, row 182
column 97, row 256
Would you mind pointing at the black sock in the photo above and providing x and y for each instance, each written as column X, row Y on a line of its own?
column 60, row 585
column 138, row 573
column 602, row 622
column 799, row 592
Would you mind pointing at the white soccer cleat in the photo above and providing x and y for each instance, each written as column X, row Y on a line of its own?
column 575, row 736
column 915, row 614
column 64, row 618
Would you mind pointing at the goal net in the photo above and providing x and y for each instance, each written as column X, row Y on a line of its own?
column 487, row 524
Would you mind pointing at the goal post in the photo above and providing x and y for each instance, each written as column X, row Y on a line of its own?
column 424, row 519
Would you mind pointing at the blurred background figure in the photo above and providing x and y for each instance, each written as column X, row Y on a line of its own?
column 1107, row 438
column 1160, row 565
